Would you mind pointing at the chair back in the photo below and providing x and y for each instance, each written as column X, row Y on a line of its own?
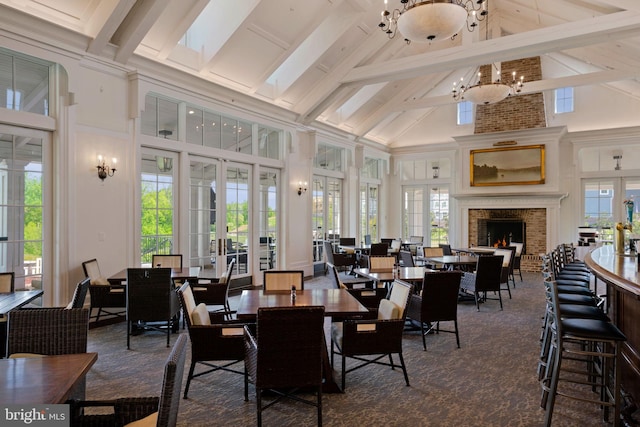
column 187, row 301
column 446, row 248
column 80, row 294
column 151, row 295
column 7, row 282
column 328, row 251
column 395, row 246
column 172, row 384
column 166, row 261
column 382, row 263
column 299, row 331
column 440, row 296
column 347, row 241
column 283, row 280
column 92, row 271
column 48, row 331
column 519, row 247
column 488, row 273
column 379, row 249
column 416, row 239
column 367, row 239
column 400, row 295
column 406, row 258
column 334, row 277
column 433, row 252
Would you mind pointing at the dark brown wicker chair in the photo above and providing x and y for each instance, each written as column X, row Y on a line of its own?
column 379, row 249
column 80, row 294
column 485, row 279
column 152, row 301
column 406, row 259
column 339, row 260
column 163, row 409
column 284, row 353
column 166, row 261
column 104, row 296
column 377, row 338
column 214, row 292
column 362, row 291
column 212, row 341
column 48, row 331
column 437, row 303
column 508, row 255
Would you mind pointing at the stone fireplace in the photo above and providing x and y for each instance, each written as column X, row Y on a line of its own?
column 527, row 225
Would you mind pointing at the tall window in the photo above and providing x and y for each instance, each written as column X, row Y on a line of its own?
column 157, row 225
column 412, row 214
column 598, row 207
column 202, row 221
column 439, row 214
column 465, row 113
column 21, row 207
column 326, row 212
column 238, row 211
column 369, row 211
column 564, row 100
column 268, row 218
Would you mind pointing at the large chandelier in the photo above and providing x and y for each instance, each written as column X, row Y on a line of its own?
column 489, row 92
column 432, row 20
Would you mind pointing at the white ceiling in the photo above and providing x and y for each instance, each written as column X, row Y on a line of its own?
column 327, row 61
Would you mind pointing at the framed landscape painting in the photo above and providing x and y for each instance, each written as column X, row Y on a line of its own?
column 507, row 166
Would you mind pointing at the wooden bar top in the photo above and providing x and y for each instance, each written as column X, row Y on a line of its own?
column 619, row 270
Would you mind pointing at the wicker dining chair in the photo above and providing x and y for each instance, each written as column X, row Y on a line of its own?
column 485, row 279
column 7, row 282
column 214, row 292
column 437, row 303
column 152, row 302
column 156, row 411
column 283, row 280
column 370, row 341
column 284, row 354
column 212, row 339
column 108, row 299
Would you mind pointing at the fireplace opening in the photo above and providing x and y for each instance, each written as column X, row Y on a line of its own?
column 501, row 232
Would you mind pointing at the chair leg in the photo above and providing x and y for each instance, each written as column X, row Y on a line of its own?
column 319, row 391
column 404, row 369
column 128, row 333
column 259, row 406
column 500, row 297
column 344, row 372
column 189, row 378
column 455, row 323
column 246, row 384
column 424, row 339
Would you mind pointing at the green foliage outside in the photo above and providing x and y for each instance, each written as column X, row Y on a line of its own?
column 157, row 220
column 33, row 217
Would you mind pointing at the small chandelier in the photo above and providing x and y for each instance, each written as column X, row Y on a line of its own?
column 432, row 20
column 489, row 92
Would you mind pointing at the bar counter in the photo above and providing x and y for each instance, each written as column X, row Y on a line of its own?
column 620, row 273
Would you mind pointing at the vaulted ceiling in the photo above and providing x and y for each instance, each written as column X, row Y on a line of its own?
column 327, row 61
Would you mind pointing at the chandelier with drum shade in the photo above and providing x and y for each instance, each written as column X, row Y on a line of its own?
column 432, row 20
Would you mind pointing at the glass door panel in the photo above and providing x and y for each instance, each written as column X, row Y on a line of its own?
column 238, row 243
column 268, row 211
column 205, row 250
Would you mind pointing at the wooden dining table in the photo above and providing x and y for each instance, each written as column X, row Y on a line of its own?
column 180, row 274
column 408, row 274
column 338, row 304
column 13, row 300
column 462, row 262
column 42, row 380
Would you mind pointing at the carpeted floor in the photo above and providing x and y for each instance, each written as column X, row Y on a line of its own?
column 490, row 381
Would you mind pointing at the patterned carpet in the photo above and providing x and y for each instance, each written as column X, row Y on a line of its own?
column 490, row 381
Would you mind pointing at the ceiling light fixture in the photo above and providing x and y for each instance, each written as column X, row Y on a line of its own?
column 488, row 92
column 432, row 20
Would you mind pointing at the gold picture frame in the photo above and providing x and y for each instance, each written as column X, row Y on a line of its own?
column 507, row 166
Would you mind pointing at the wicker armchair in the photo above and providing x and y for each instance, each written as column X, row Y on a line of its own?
column 437, row 303
column 485, row 279
column 211, row 338
column 378, row 338
column 157, row 411
column 48, row 331
column 104, row 296
column 364, row 292
column 284, row 353
column 338, row 259
column 80, row 294
column 215, row 291
column 152, row 301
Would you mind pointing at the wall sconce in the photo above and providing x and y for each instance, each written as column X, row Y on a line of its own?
column 103, row 169
column 302, row 187
column 165, row 164
column 617, row 158
column 436, row 171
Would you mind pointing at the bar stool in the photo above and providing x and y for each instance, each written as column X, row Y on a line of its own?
column 596, row 343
